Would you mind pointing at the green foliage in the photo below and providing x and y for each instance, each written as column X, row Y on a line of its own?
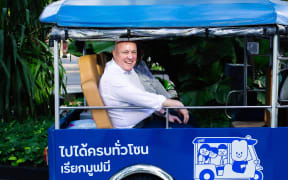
column 212, row 118
column 197, row 66
column 22, row 142
column 156, row 67
column 74, row 101
column 26, row 63
column 101, row 46
column 260, row 68
column 76, row 47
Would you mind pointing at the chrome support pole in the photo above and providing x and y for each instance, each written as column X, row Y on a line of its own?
column 274, row 109
column 56, row 84
column 245, row 71
column 167, row 117
column 84, row 49
column 84, row 53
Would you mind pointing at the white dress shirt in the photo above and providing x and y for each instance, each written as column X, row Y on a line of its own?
column 121, row 88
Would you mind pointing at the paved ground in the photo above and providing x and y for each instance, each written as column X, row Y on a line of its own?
column 72, row 72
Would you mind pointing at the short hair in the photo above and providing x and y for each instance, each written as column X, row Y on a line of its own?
column 118, row 42
column 222, row 146
column 206, row 146
column 214, row 150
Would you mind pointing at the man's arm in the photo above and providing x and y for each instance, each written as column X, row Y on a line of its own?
column 176, row 103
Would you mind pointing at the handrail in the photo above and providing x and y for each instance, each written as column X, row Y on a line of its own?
column 166, row 108
column 282, row 106
column 282, row 58
column 184, row 107
column 238, row 91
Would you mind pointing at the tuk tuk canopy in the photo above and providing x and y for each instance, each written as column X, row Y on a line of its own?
column 165, row 13
column 138, row 18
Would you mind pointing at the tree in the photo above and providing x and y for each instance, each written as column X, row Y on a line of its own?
column 26, row 64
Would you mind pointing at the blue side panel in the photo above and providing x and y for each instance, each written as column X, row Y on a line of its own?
column 99, row 154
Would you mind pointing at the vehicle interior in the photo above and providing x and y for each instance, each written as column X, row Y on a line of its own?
column 240, row 74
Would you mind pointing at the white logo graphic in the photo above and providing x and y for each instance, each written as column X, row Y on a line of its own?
column 226, row 158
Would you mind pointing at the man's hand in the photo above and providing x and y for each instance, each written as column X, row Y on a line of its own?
column 185, row 114
column 176, row 103
column 173, row 119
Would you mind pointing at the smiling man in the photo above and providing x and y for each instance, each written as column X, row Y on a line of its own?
column 121, row 86
column 125, row 55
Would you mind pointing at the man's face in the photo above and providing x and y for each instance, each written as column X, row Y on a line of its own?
column 125, row 55
column 204, row 151
column 222, row 152
column 212, row 154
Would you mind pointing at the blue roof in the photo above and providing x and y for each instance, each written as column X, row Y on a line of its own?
column 165, row 13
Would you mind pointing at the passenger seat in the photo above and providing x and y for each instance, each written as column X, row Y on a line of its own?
column 91, row 68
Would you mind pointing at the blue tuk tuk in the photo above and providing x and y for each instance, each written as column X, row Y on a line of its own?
column 107, row 153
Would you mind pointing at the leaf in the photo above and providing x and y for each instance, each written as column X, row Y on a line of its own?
column 44, row 45
column 8, row 86
column 2, row 62
column 12, row 158
column 261, row 97
column 3, row 16
column 76, row 48
column 27, row 16
column 14, row 163
column 22, row 35
column 221, row 93
column 14, row 48
column 26, row 75
column 21, row 160
column 27, row 148
column 102, row 46
column 188, row 97
column 36, row 70
column 2, row 46
column 216, row 70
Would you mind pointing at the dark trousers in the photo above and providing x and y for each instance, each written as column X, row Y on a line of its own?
column 155, row 121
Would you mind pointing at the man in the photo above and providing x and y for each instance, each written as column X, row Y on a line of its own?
column 120, row 86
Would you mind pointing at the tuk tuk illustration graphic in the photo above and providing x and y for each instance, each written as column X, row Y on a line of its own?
column 226, row 158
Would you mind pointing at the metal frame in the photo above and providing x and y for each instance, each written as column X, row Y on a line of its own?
column 56, row 84
column 274, row 106
column 245, row 72
column 239, row 91
column 275, row 77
